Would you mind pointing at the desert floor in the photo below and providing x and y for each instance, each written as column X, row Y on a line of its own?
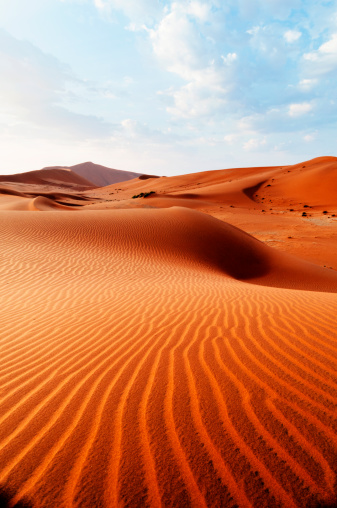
column 178, row 349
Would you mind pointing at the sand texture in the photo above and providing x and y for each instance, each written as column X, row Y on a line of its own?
column 174, row 350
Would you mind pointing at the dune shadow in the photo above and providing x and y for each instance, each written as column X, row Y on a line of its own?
column 5, row 500
column 147, row 177
column 11, row 192
column 325, row 504
column 250, row 191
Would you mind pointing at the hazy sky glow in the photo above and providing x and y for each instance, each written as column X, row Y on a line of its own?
column 166, row 87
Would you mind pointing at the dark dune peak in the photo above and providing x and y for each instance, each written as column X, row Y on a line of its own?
column 102, row 175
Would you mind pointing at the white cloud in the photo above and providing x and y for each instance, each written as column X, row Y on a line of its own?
column 199, row 10
column 230, row 138
column 254, row 144
column 329, row 47
column 228, row 55
column 267, row 45
column 292, row 36
column 229, row 58
column 324, row 58
column 309, row 137
column 196, row 100
column 175, row 45
column 130, row 127
column 253, row 31
column 307, row 84
column 182, row 47
column 299, row 109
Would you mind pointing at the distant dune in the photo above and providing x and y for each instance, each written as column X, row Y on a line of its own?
column 101, row 175
column 174, row 349
column 56, row 176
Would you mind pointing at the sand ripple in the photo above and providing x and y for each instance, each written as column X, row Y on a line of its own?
column 160, row 358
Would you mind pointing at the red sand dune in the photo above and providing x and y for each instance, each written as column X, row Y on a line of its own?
column 60, row 177
column 163, row 357
column 100, row 175
column 312, row 182
column 266, row 202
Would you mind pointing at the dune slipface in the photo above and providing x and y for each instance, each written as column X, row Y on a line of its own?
column 162, row 358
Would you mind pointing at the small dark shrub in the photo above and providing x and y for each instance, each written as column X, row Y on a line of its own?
column 143, row 194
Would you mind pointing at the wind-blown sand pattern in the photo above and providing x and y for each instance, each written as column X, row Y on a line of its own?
column 161, row 357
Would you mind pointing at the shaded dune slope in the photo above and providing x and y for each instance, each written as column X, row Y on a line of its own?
column 138, row 371
column 56, row 177
column 39, row 203
column 183, row 236
column 42, row 190
column 101, row 175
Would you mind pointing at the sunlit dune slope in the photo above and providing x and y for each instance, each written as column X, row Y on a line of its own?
column 233, row 186
column 311, row 182
column 293, row 208
column 141, row 365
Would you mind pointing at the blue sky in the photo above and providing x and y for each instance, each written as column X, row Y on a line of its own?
column 166, row 87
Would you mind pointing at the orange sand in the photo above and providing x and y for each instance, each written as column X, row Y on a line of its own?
column 154, row 355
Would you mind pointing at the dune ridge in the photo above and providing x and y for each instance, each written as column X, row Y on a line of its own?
column 161, row 357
